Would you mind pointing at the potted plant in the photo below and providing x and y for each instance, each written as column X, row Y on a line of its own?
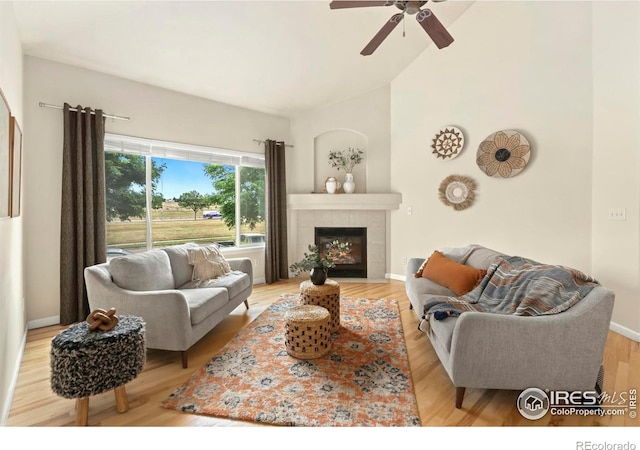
column 346, row 161
column 317, row 263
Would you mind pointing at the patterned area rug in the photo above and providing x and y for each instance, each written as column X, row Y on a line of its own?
column 363, row 381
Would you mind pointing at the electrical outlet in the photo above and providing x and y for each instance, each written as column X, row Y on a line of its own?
column 617, row 214
column 404, row 260
column 409, row 210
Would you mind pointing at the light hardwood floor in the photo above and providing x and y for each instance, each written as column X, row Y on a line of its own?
column 34, row 404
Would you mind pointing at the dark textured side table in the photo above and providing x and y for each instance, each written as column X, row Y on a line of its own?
column 86, row 363
column 326, row 295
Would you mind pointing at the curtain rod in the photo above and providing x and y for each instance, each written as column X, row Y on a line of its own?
column 262, row 142
column 110, row 116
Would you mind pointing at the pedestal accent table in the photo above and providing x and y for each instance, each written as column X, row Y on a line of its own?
column 326, row 295
column 307, row 333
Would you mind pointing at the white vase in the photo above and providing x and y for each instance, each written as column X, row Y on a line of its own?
column 331, row 185
column 349, row 185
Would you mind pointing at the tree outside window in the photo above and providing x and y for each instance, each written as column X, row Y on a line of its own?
column 190, row 212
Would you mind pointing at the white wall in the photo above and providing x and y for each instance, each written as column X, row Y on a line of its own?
column 533, row 73
column 12, row 320
column 364, row 118
column 538, row 83
column 616, row 162
column 366, row 115
column 155, row 113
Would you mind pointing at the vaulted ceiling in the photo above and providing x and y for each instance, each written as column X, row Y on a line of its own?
column 280, row 57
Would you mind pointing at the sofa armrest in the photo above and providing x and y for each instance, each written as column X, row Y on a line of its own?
column 413, row 265
column 243, row 265
column 165, row 323
column 559, row 351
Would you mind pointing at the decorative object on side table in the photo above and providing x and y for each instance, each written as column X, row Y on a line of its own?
column 448, row 143
column 317, row 263
column 457, row 191
column 346, row 161
column 503, row 154
column 102, row 320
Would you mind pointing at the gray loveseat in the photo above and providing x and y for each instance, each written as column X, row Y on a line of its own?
column 562, row 351
column 157, row 286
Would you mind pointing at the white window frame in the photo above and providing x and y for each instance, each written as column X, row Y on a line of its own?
column 151, row 148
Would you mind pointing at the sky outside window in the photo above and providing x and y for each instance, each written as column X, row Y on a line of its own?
column 182, row 176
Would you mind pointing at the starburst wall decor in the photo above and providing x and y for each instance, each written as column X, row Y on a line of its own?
column 448, row 143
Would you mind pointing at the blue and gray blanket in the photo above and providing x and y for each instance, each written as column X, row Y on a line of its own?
column 517, row 286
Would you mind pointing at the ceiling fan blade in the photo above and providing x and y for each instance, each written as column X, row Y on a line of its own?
column 382, row 34
column 339, row 4
column 436, row 31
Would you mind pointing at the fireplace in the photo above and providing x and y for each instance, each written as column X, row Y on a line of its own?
column 353, row 265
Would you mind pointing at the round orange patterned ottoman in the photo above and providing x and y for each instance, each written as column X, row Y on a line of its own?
column 326, row 295
column 307, row 333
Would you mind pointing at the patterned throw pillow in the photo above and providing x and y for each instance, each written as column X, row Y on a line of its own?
column 208, row 263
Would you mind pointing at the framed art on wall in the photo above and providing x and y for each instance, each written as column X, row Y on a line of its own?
column 16, row 166
column 5, row 119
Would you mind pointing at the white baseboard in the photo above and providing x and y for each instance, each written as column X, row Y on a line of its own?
column 4, row 414
column 393, row 276
column 46, row 322
column 259, row 281
column 624, row 331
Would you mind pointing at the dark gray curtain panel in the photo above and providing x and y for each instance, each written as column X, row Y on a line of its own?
column 276, row 266
column 83, row 217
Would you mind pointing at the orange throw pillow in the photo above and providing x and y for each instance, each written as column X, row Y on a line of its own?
column 455, row 276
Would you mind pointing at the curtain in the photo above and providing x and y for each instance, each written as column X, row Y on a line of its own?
column 83, row 215
column 276, row 266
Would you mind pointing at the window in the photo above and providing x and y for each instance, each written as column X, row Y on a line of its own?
column 162, row 193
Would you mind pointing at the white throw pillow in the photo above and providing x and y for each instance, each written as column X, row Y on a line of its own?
column 208, row 263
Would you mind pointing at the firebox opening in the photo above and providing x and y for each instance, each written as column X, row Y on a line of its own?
column 353, row 265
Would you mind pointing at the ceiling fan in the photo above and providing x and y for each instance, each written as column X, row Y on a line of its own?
column 436, row 31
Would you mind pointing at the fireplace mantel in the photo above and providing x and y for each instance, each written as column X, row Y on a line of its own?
column 345, row 201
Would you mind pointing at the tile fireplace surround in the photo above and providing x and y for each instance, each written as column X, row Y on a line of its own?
column 307, row 211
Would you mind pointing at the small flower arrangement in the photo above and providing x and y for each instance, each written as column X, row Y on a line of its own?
column 334, row 251
column 347, row 160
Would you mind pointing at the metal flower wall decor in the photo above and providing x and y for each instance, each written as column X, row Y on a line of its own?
column 503, row 154
column 457, row 191
column 448, row 143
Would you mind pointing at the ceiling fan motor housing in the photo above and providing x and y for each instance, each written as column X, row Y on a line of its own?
column 410, row 7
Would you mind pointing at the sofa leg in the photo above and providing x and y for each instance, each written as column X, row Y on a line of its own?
column 459, row 396
column 184, row 359
column 246, row 303
column 410, row 305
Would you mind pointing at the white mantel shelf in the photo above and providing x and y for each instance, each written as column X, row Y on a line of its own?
column 345, row 201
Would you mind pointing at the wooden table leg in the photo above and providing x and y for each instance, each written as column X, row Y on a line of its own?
column 121, row 399
column 82, row 411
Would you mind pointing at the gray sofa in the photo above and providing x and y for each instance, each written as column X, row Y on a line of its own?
column 562, row 351
column 157, row 286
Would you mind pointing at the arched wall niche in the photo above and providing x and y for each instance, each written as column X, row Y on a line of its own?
column 338, row 139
